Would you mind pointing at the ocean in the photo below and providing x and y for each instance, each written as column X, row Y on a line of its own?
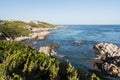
column 76, row 42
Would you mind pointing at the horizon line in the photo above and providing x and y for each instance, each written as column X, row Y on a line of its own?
column 87, row 24
column 63, row 23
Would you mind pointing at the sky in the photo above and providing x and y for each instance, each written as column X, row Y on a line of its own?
column 62, row 11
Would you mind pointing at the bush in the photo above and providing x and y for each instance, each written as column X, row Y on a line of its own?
column 12, row 30
column 21, row 62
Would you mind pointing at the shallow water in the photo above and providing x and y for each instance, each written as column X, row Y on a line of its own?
column 77, row 41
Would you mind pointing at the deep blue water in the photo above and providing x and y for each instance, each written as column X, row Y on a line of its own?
column 77, row 41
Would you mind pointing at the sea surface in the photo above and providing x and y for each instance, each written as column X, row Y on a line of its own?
column 76, row 42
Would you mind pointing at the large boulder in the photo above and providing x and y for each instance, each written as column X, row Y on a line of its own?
column 109, row 59
column 47, row 50
column 107, row 49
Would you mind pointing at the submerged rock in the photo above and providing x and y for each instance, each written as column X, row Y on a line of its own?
column 109, row 59
column 78, row 42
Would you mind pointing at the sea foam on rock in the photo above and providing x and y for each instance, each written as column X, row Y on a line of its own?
column 109, row 59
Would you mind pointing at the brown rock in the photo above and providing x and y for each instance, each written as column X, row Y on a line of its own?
column 109, row 58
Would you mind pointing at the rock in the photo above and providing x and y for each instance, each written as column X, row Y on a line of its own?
column 78, row 42
column 110, row 68
column 109, row 50
column 38, row 33
column 42, row 35
column 47, row 50
column 21, row 38
column 109, row 61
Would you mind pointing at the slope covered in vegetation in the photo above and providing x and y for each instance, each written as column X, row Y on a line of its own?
column 20, row 62
column 12, row 29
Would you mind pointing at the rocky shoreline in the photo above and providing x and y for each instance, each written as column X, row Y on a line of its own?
column 21, row 30
column 34, row 30
column 108, row 62
column 38, row 34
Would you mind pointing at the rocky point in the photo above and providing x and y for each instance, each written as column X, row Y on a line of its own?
column 109, row 59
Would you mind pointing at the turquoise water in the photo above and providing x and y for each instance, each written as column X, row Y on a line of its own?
column 77, row 41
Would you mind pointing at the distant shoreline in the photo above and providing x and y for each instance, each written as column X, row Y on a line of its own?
column 38, row 34
column 20, row 30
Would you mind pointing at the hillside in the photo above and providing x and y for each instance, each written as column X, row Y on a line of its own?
column 12, row 29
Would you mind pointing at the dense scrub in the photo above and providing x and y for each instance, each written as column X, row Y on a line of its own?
column 12, row 32
column 13, row 29
column 21, row 62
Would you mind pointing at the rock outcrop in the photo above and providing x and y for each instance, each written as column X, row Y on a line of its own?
column 109, row 59
column 38, row 34
column 47, row 50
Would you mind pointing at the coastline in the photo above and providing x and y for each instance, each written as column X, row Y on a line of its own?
column 41, row 34
column 18, row 31
column 38, row 34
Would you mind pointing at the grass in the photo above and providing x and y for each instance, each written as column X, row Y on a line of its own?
column 13, row 30
column 41, row 24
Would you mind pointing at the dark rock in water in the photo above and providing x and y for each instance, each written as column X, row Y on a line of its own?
column 109, row 59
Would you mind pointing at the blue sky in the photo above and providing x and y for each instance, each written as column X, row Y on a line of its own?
column 62, row 11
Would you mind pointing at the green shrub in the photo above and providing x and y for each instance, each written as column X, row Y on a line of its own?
column 12, row 30
column 21, row 62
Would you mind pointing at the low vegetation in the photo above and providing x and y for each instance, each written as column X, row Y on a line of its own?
column 21, row 62
column 12, row 29
column 41, row 24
